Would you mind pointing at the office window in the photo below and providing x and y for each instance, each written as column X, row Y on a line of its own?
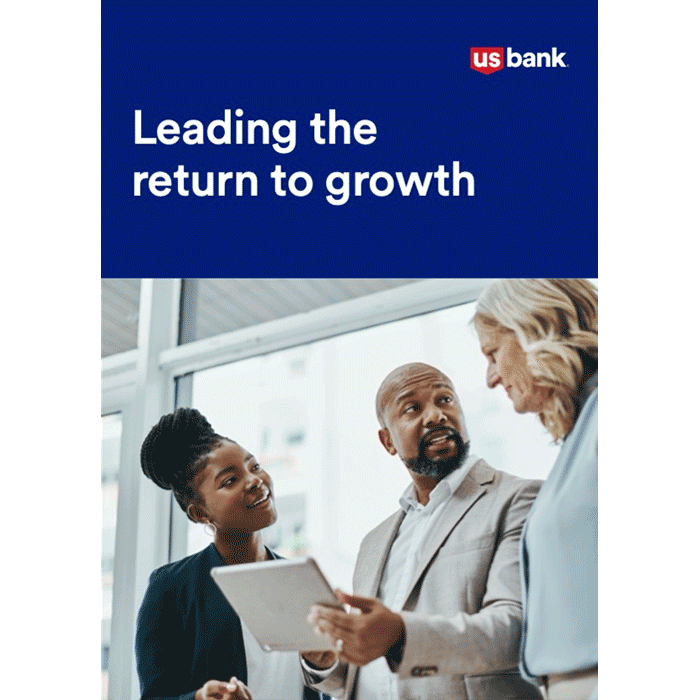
column 120, row 315
column 111, row 442
column 267, row 413
column 307, row 413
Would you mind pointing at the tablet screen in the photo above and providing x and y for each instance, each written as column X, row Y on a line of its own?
column 273, row 598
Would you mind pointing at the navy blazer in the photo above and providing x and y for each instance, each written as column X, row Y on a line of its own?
column 187, row 633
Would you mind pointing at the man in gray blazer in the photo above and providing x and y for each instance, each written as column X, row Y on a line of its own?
column 447, row 561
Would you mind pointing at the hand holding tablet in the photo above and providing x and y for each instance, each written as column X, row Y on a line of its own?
column 368, row 631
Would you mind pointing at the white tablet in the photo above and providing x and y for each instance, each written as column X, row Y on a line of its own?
column 273, row 599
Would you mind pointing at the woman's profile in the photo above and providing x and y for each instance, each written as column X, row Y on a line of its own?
column 540, row 338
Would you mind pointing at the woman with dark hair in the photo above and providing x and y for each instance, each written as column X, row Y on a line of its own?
column 190, row 644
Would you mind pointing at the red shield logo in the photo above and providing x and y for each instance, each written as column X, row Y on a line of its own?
column 487, row 59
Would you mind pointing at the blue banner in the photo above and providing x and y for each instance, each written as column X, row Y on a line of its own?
column 316, row 140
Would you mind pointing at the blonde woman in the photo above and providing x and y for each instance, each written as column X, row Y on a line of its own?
column 540, row 337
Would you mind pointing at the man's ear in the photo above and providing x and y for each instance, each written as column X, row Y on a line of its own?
column 385, row 439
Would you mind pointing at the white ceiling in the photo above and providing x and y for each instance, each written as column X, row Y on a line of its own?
column 230, row 304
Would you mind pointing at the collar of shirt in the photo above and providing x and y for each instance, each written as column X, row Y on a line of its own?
column 440, row 493
column 588, row 387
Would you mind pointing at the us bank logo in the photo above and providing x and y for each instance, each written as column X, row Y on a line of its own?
column 489, row 59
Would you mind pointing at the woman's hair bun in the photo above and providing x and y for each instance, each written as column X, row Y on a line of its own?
column 173, row 445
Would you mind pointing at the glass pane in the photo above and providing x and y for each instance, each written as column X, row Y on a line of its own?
column 111, row 443
column 307, row 413
column 120, row 315
column 275, row 430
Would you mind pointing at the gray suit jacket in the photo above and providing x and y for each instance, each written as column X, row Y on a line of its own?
column 463, row 611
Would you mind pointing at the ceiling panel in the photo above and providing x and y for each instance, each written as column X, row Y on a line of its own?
column 225, row 305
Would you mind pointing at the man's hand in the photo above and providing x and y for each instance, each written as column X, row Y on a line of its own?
column 358, row 638
column 218, row 690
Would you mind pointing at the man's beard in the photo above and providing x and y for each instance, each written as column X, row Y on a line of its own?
column 439, row 468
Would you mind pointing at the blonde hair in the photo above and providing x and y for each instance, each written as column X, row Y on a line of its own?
column 556, row 323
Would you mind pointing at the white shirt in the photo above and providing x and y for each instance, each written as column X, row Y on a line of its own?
column 271, row 674
column 375, row 681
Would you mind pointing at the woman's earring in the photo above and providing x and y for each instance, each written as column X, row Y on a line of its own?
column 211, row 532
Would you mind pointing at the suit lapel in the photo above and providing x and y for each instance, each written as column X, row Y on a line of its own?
column 467, row 493
column 369, row 571
column 368, row 574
